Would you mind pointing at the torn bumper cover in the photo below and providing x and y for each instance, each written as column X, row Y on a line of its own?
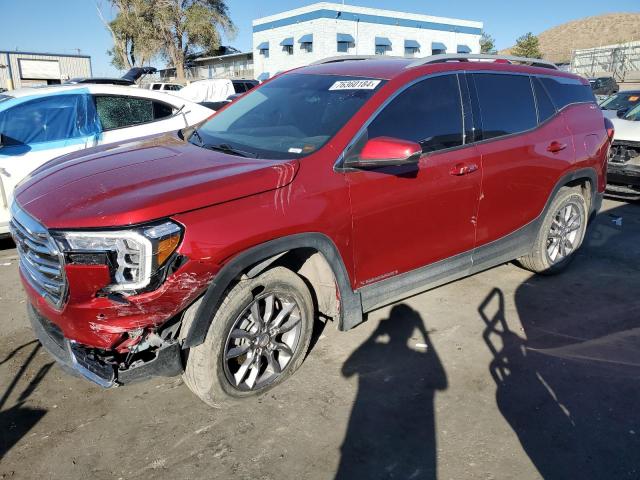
column 623, row 169
column 89, row 363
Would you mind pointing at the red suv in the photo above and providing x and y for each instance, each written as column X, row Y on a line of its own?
column 327, row 192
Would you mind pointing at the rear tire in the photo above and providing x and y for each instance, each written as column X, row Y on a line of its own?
column 258, row 337
column 560, row 235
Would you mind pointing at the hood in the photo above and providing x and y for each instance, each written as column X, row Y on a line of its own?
column 143, row 180
column 626, row 129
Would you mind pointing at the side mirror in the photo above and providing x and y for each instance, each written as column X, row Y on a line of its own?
column 386, row 151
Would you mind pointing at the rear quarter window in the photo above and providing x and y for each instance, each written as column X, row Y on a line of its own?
column 506, row 104
column 567, row 91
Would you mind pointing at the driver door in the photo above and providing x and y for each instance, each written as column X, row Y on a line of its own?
column 407, row 217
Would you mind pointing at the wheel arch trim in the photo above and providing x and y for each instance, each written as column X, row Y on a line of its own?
column 257, row 259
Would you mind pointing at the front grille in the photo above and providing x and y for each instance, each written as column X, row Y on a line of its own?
column 41, row 262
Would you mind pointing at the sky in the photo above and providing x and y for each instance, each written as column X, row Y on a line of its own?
column 69, row 26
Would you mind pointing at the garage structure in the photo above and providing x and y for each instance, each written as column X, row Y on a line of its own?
column 303, row 35
column 28, row 69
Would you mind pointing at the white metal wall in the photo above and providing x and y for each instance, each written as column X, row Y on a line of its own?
column 70, row 67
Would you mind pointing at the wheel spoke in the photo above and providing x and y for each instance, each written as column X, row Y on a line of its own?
column 286, row 310
column 284, row 348
column 268, row 308
column 253, row 375
column 255, row 314
column 289, row 325
column 242, row 334
column 237, row 351
column 242, row 371
column 273, row 363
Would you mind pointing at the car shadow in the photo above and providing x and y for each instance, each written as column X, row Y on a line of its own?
column 17, row 420
column 6, row 243
column 569, row 384
column 391, row 431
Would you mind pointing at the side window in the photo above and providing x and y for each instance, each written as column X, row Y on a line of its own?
column 546, row 109
column 239, row 87
column 506, row 104
column 156, row 86
column 48, row 119
column 565, row 91
column 120, row 112
column 429, row 113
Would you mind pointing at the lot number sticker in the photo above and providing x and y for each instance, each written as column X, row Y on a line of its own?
column 355, row 85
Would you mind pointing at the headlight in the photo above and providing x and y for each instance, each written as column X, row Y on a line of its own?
column 133, row 256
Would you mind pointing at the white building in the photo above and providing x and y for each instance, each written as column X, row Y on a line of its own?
column 303, row 35
column 29, row 69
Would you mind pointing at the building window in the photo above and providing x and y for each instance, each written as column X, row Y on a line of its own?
column 307, row 47
column 381, row 49
column 265, row 52
column 383, row 45
column 345, row 42
column 411, row 51
column 288, row 49
column 343, row 47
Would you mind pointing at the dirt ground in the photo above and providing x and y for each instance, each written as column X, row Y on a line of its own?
column 502, row 375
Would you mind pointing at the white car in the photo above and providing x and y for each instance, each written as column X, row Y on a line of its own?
column 165, row 87
column 39, row 124
column 623, row 170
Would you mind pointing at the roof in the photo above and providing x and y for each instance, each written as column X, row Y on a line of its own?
column 44, row 54
column 387, row 68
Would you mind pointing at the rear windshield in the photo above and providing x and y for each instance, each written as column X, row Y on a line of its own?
column 289, row 117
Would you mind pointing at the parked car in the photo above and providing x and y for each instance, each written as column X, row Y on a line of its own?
column 623, row 174
column 128, row 79
column 164, row 86
column 619, row 104
column 216, row 93
column 604, row 85
column 38, row 124
column 325, row 193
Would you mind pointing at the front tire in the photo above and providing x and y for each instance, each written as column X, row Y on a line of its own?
column 561, row 233
column 258, row 337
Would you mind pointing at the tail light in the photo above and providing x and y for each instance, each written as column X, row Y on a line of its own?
column 608, row 124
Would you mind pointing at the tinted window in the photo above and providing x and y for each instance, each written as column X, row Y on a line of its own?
column 156, row 86
column 565, row 91
column 506, row 104
column 428, row 113
column 289, row 117
column 239, row 87
column 545, row 107
column 120, row 112
column 48, row 119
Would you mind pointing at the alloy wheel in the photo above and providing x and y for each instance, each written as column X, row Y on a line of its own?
column 564, row 234
column 262, row 341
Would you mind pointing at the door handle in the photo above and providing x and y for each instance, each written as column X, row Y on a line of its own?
column 463, row 169
column 555, row 147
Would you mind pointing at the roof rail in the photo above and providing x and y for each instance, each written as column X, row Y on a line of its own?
column 345, row 58
column 465, row 57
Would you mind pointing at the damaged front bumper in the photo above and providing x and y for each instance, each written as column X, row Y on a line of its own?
column 623, row 170
column 98, row 366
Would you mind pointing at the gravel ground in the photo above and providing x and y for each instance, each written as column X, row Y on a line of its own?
column 498, row 376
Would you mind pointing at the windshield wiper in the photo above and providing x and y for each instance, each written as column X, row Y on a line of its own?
column 226, row 148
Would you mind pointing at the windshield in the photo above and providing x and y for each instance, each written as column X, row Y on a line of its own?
column 633, row 114
column 621, row 101
column 289, row 117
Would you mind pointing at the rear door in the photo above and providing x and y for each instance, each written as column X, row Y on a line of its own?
column 123, row 117
column 525, row 147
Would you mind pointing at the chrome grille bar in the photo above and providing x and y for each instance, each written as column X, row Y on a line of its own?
column 41, row 262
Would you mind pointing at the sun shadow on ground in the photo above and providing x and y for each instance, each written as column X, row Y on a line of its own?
column 18, row 420
column 391, row 431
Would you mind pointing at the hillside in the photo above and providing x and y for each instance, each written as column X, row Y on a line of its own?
column 557, row 43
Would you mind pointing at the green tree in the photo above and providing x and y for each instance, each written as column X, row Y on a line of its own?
column 527, row 46
column 487, row 43
column 176, row 29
